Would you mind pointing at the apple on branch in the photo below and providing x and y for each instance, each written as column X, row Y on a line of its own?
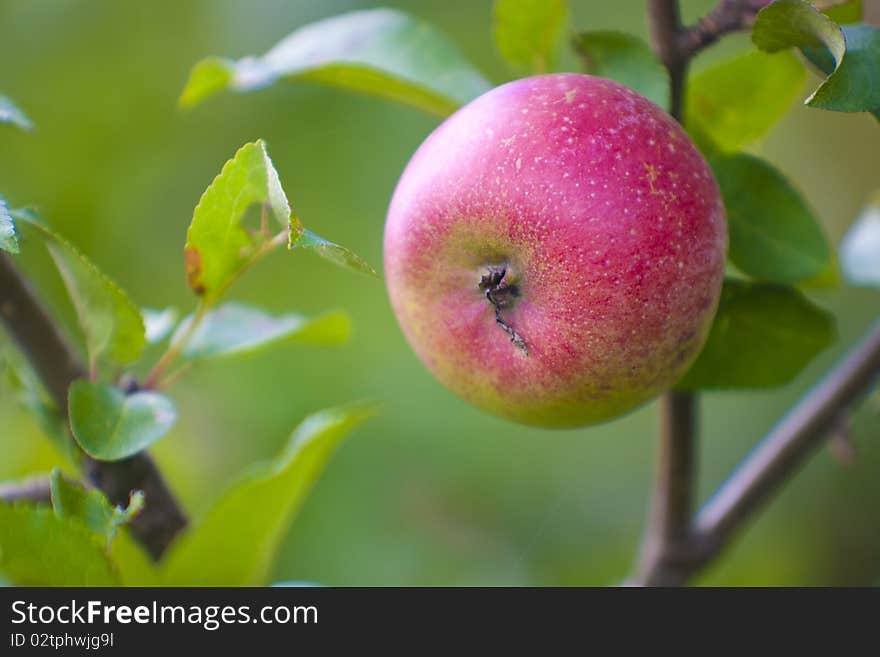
column 555, row 250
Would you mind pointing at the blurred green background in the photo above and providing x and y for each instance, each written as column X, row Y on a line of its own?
column 434, row 491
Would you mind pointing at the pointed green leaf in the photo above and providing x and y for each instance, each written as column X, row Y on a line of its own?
column 37, row 548
column 738, row 101
column 218, row 247
column 8, row 238
column 158, row 324
column 848, row 56
column 774, row 235
column 10, row 113
column 860, row 248
column 91, row 507
column 528, row 33
column 260, row 507
column 234, row 329
column 763, row 336
column 110, row 425
column 111, row 323
column 338, row 255
column 377, row 51
column 626, row 59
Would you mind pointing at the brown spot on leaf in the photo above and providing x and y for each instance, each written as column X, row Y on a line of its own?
column 193, row 263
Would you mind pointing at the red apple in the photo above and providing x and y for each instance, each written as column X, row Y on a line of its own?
column 554, row 251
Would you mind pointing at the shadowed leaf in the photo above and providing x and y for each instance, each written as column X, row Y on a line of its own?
column 626, row 59
column 774, row 235
column 91, row 507
column 763, row 336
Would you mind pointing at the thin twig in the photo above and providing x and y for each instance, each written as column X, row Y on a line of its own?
column 57, row 366
column 726, row 17
column 32, row 489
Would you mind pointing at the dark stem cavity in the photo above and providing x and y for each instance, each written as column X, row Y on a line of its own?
column 501, row 294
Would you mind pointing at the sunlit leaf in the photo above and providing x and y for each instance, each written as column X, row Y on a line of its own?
column 111, row 323
column 218, row 247
column 774, row 235
column 10, row 113
column 860, row 248
column 234, row 329
column 110, row 425
column 134, row 566
column 528, row 33
column 763, row 336
column 91, row 507
column 845, row 12
column 738, row 101
column 260, row 507
column 37, row 548
column 8, row 238
column 158, row 324
column 849, row 56
column 338, row 255
column 626, row 59
column 377, row 51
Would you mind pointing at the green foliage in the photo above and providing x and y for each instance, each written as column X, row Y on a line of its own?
column 111, row 425
column 259, row 507
column 338, row 255
column 218, row 247
column 848, row 55
column 377, row 51
column 111, row 323
column 158, row 324
column 8, row 238
column 845, row 12
column 528, row 33
column 626, row 59
column 763, row 336
column 90, row 506
column 28, row 392
column 773, row 234
column 10, row 113
column 234, row 329
column 38, row 548
column 860, row 248
column 736, row 102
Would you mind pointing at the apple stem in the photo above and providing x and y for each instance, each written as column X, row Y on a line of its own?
column 500, row 293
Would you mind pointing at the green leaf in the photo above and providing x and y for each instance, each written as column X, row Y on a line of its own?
column 738, row 101
column 234, row 329
column 860, row 248
column 763, row 336
column 8, row 238
column 37, row 548
column 338, row 255
column 848, row 56
column 376, row 51
column 218, row 247
column 528, row 33
column 90, row 506
column 774, row 235
column 260, row 507
column 10, row 113
column 626, row 59
column 111, row 323
column 134, row 566
column 110, row 425
column 158, row 324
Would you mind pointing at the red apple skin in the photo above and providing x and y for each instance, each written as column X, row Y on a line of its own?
column 608, row 224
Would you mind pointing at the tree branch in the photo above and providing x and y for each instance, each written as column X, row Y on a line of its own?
column 673, row 548
column 57, row 366
column 33, row 489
